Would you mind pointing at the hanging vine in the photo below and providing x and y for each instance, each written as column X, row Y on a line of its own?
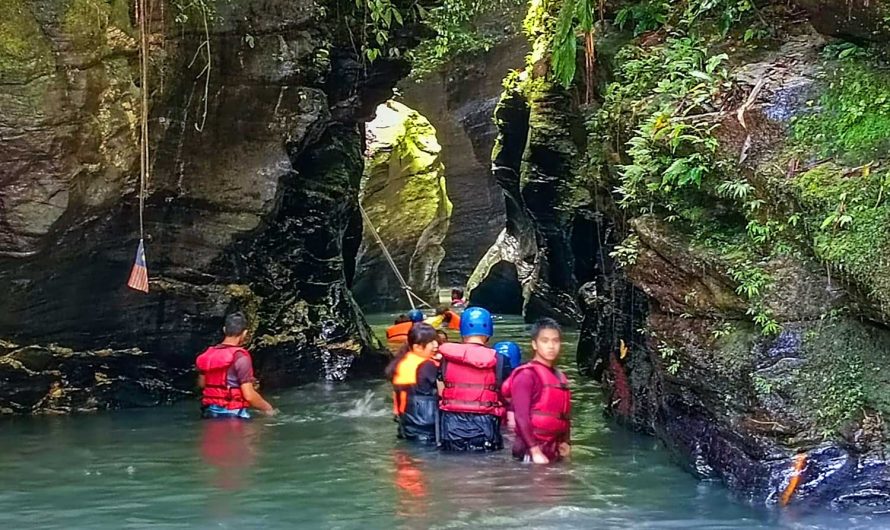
column 202, row 10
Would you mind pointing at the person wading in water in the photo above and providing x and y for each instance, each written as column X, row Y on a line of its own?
column 471, row 408
column 225, row 375
column 414, row 376
column 541, row 400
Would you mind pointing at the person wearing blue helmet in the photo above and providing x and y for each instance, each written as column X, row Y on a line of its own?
column 512, row 352
column 415, row 315
column 470, row 406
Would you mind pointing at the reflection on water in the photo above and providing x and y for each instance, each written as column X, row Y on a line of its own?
column 331, row 460
column 229, row 446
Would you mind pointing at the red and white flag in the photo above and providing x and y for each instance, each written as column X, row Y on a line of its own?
column 139, row 275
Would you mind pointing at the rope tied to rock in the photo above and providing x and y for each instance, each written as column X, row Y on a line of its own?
column 143, row 141
column 405, row 287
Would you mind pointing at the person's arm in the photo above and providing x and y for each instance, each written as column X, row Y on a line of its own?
column 502, row 369
column 201, row 381
column 523, row 394
column 428, row 376
column 255, row 399
column 440, row 377
column 244, row 371
column 565, row 446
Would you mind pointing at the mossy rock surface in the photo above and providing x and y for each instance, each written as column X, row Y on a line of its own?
column 751, row 177
column 25, row 53
column 404, row 195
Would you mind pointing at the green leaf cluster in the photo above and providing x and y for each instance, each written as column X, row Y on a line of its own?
column 673, row 154
column 576, row 16
column 459, row 30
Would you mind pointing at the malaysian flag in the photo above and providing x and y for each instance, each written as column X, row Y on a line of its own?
column 139, row 275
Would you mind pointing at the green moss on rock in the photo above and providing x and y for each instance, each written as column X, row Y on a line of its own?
column 25, row 52
column 404, row 182
column 848, row 215
column 846, row 370
column 852, row 118
column 403, row 193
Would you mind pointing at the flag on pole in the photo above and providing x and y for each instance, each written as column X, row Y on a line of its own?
column 139, row 275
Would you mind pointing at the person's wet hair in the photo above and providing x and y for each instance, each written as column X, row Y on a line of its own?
column 402, row 318
column 441, row 310
column 545, row 323
column 421, row 334
column 235, row 324
column 441, row 336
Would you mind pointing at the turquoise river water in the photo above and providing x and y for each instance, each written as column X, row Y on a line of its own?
column 331, row 460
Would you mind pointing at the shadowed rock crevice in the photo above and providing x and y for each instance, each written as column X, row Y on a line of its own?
column 536, row 162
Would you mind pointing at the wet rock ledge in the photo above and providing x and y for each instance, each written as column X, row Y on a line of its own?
column 252, row 199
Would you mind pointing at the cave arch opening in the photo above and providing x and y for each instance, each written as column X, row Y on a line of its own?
column 404, row 195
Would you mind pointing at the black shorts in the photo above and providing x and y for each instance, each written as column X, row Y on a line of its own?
column 460, row 431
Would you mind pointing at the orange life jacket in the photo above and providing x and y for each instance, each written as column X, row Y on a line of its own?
column 470, row 379
column 551, row 414
column 454, row 323
column 404, row 379
column 214, row 364
column 398, row 332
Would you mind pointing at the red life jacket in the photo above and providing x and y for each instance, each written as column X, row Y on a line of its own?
column 470, row 379
column 551, row 414
column 214, row 364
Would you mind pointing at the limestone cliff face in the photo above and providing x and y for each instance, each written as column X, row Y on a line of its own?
column 403, row 193
column 459, row 100
column 253, row 192
column 536, row 161
column 742, row 318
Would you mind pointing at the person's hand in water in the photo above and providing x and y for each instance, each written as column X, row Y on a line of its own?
column 565, row 450
column 271, row 412
column 538, row 456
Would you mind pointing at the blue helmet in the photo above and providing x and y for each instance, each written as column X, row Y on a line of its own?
column 511, row 351
column 415, row 315
column 476, row 321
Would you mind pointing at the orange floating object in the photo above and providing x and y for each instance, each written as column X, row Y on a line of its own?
column 799, row 464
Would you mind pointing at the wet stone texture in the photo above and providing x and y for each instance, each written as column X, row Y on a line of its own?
column 673, row 341
column 535, row 163
column 736, row 405
column 459, row 100
column 404, row 195
column 251, row 202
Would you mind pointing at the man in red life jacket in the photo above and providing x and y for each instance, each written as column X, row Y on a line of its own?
column 225, row 375
column 541, row 400
column 470, row 404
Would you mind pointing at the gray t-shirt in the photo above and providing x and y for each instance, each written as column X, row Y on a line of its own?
column 240, row 372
